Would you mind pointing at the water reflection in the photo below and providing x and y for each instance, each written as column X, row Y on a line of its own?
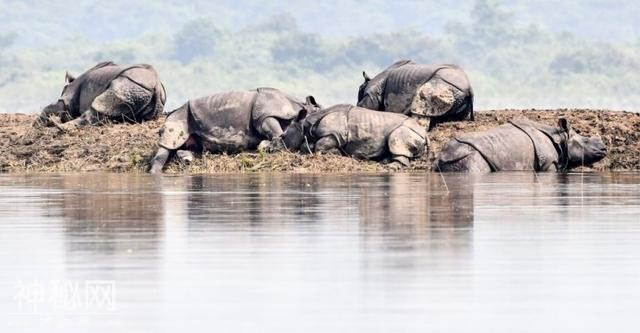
column 363, row 252
column 253, row 199
column 97, row 210
column 401, row 205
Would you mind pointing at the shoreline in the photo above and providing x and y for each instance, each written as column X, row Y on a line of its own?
column 128, row 148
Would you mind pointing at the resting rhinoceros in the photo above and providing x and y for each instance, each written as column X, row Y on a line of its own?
column 228, row 122
column 120, row 93
column 437, row 92
column 358, row 132
column 521, row 145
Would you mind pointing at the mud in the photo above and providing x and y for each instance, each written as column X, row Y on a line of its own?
column 434, row 98
column 129, row 147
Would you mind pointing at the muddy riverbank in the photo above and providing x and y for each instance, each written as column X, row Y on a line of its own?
column 129, row 147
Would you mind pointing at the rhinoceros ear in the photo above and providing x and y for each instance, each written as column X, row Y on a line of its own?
column 68, row 77
column 301, row 115
column 366, row 77
column 310, row 100
column 564, row 124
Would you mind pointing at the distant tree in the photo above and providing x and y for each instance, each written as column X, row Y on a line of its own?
column 600, row 58
column 197, row 38
column 7, row 39
column 302, row 49
column 121, row 55
column 366, row 49
column 489, row 27
column 491, row 24
column 279, row 23
column 383, row 49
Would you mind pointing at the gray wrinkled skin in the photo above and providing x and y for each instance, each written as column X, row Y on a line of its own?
column 229, row 122
column 120, row 93
column 520, row 145
column 360, row 133
column 440, row 93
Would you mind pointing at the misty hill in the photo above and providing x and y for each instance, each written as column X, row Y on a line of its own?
column 517, row 54
column 39, row 22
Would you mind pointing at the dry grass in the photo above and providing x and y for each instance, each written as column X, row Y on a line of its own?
column 129, row 148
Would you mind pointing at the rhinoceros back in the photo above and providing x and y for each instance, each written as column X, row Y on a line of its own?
column 360, row 132
column 96, row 80
column 510, row 148
column 403, row 82
column 409, row 76
column 505, row 148
column 211, row 117
column 328, row 122
column 271, row 102
column 368, row 131
column 546, row 140
column 224, row 121
column 144, row 75
column 91, row 84
column 229, row 109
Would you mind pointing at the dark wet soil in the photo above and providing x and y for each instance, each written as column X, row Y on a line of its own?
column 129, row 147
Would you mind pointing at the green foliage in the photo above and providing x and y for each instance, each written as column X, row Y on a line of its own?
column 7, row 39
column 511, row 62
column 196, row 38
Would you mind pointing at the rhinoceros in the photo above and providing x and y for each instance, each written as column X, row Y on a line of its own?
column 358, row 132
column 438, row 92
column 229, row 122
column 520, row 145
column 119, row 93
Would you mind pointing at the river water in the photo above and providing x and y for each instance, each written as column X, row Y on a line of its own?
column 511, row 252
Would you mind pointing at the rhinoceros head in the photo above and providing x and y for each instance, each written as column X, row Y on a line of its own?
column 293, row 136
column 363, row 86
column 311, row 105
column 70, row 88
column 57, row 107
column 369, row 93
column 582, row 150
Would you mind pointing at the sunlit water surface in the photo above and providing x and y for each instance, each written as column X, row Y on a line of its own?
column 320, row 253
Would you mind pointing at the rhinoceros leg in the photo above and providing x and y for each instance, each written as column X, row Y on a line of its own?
column 186, row 156
column 327, row 144
column 439, row 100
column 404, row 144
column 44, row 119
column 272, row 130
column 158, row 161
column 434, row 98
column 123, row 101
column 120, row 102
column 86, row 118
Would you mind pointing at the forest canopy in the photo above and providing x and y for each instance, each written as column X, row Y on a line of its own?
column 511, row 61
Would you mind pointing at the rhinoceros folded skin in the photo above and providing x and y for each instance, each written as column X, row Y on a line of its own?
column 517, row 145
column 221, row 121
column 79, row 95
column 229, row 121
column 400, row 87
column 367, row 134
column 403, row 82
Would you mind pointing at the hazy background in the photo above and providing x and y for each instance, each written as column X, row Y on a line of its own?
column 582, row 53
